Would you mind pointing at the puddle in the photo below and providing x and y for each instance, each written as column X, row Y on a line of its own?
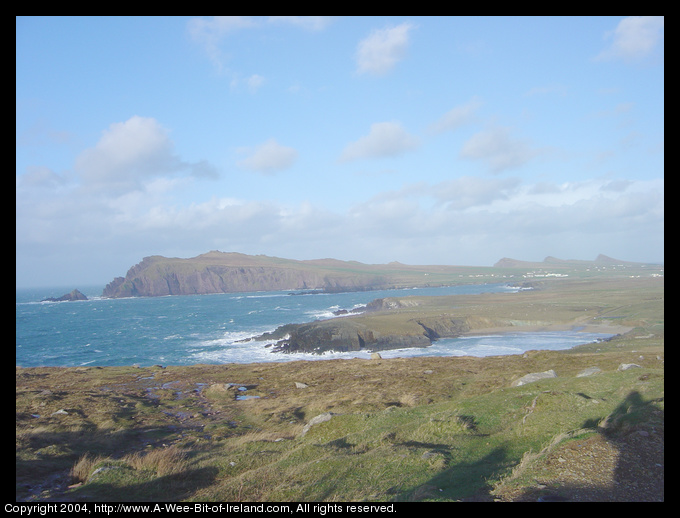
column 242, row 388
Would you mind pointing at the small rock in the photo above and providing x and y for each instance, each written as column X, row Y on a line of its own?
column 376, row 356
column 626, row 366
column 301, row 385
column 588, row 372
column 534, row 376
column 321, row 418
column 428, row 372
column 61, row 411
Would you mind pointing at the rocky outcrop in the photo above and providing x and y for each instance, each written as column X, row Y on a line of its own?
column 74, row 295
column 364, row 334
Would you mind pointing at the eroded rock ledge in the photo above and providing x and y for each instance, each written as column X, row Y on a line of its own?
column 366, row 334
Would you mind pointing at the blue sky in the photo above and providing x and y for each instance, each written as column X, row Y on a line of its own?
column 424, row 140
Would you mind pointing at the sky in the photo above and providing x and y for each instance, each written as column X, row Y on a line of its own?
column 423, row 140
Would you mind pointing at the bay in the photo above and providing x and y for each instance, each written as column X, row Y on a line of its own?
column 211, row 329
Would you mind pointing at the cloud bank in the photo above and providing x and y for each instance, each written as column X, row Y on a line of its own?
column 120, row 203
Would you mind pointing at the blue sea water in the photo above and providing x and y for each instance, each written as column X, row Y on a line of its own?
column 186, row 330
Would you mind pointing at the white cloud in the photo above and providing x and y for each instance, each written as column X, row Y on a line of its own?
column 456, row 117
column 498, row 148
column 473, row 192
column 127, row 151
column 382, row 49
column 385, row 139
column 251, row 83
column 131, row 151
column 41, row 177
column 254, row 82
column 209, row 33
column 268, row 157
column 634, row 38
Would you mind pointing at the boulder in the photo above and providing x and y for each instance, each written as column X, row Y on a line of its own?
column 626, row 366
column 534, row 376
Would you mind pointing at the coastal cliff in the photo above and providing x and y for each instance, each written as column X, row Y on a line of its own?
column 221, row 272
column 218, row 272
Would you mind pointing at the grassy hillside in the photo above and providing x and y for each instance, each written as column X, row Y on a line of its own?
column 398, row 429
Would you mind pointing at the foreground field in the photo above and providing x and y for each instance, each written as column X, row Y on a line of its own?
column 390, row 430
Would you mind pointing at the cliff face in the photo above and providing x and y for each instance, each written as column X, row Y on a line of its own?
column 218, row 272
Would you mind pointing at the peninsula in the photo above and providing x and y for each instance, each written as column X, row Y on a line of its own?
column 221, row 272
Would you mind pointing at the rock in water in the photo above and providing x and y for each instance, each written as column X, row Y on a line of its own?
column 74, row 295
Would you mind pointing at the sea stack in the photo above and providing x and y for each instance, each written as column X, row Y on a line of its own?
column 74, row 295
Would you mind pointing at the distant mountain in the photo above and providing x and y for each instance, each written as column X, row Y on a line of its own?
column 506, row 262
column 221, row 272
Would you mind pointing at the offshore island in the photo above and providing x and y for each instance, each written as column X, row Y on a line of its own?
column 584, row 424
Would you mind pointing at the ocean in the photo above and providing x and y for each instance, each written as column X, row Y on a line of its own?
column 214, row 329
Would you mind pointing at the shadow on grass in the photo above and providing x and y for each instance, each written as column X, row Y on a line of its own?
column 634, row 429
column 168, row 488
column 461, row 479
column 48, row 477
